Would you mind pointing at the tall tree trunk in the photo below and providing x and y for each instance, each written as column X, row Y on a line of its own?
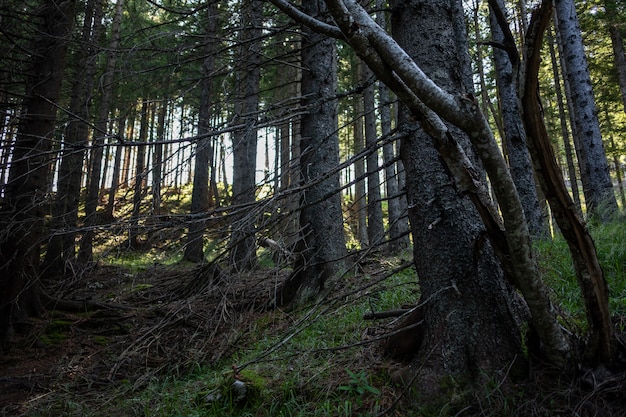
column 157, row 161
column 514, row 133
column 200, row 195
column 567, row 146
column 617, row 43
column 359, row 205
column 242, row 243
column 23, row 208
column 375, row 228
column 597, row 186
column 62, row 244
column 85, row 253
column 396, row 214
column 140, row 175
column 456, row 266
column 321, row 248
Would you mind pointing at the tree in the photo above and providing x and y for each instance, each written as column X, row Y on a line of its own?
column 375, row 229
column 22, row 212
column 454, row 267
column 514, row 133
column 85, row 253
column 204, row 150
column 594, row 170
column 61, row 248
column 242, row 242
column 321, row 249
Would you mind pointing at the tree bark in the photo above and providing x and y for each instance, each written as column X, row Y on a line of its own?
column 375, row 229
column 242, row 243
column 61, row 248
column 85, row 253
column 23, row 209
column 594, row 170
column 514, row 133
column 194, row 250
column 321, row 249
column 454, row 261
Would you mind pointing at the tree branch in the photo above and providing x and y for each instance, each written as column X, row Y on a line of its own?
column 303, row 18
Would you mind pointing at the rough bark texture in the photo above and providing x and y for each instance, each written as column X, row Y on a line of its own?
column 514, row 133
column 322, row 248
column 194, row 251
column 23, row 209
column 597, row 186
column 242, row 243
column 467, row 334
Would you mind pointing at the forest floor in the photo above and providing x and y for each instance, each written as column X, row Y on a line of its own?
column 167, row 321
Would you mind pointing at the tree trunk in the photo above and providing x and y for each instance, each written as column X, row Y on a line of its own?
column 194, row 251
column 85, row 253
column 23, row 209
column 601, row 342
column 567, row 146
column 396, row 214
column 242, row 243
column 115, row 175
column 321, row 249
column 594, row 169
column 140, row 175
column 61, row 248
column 375, row 228
column 359, row 205
column 455, row 264
column 157, row 161
column 514, row 133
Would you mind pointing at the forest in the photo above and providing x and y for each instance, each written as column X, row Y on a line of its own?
column 312, row 208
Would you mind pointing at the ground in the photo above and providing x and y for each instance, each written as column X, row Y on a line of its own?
column 166, row 321
column 151, row 326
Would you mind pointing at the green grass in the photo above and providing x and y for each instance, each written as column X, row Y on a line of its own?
column 308, row 363
column 558, row 271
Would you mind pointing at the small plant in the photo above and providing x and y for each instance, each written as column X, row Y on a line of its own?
column 358, row 386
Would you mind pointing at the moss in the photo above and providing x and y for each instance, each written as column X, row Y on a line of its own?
column 56, row 332
column 101, row 340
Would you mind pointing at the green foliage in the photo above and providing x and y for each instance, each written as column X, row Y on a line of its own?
column 359, row 386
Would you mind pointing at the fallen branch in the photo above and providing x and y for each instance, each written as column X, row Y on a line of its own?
column 386, row 314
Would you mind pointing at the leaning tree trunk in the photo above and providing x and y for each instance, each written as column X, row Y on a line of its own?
column 23, row 209
column 601, row 342
column 594, row 169
column 321, row 248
